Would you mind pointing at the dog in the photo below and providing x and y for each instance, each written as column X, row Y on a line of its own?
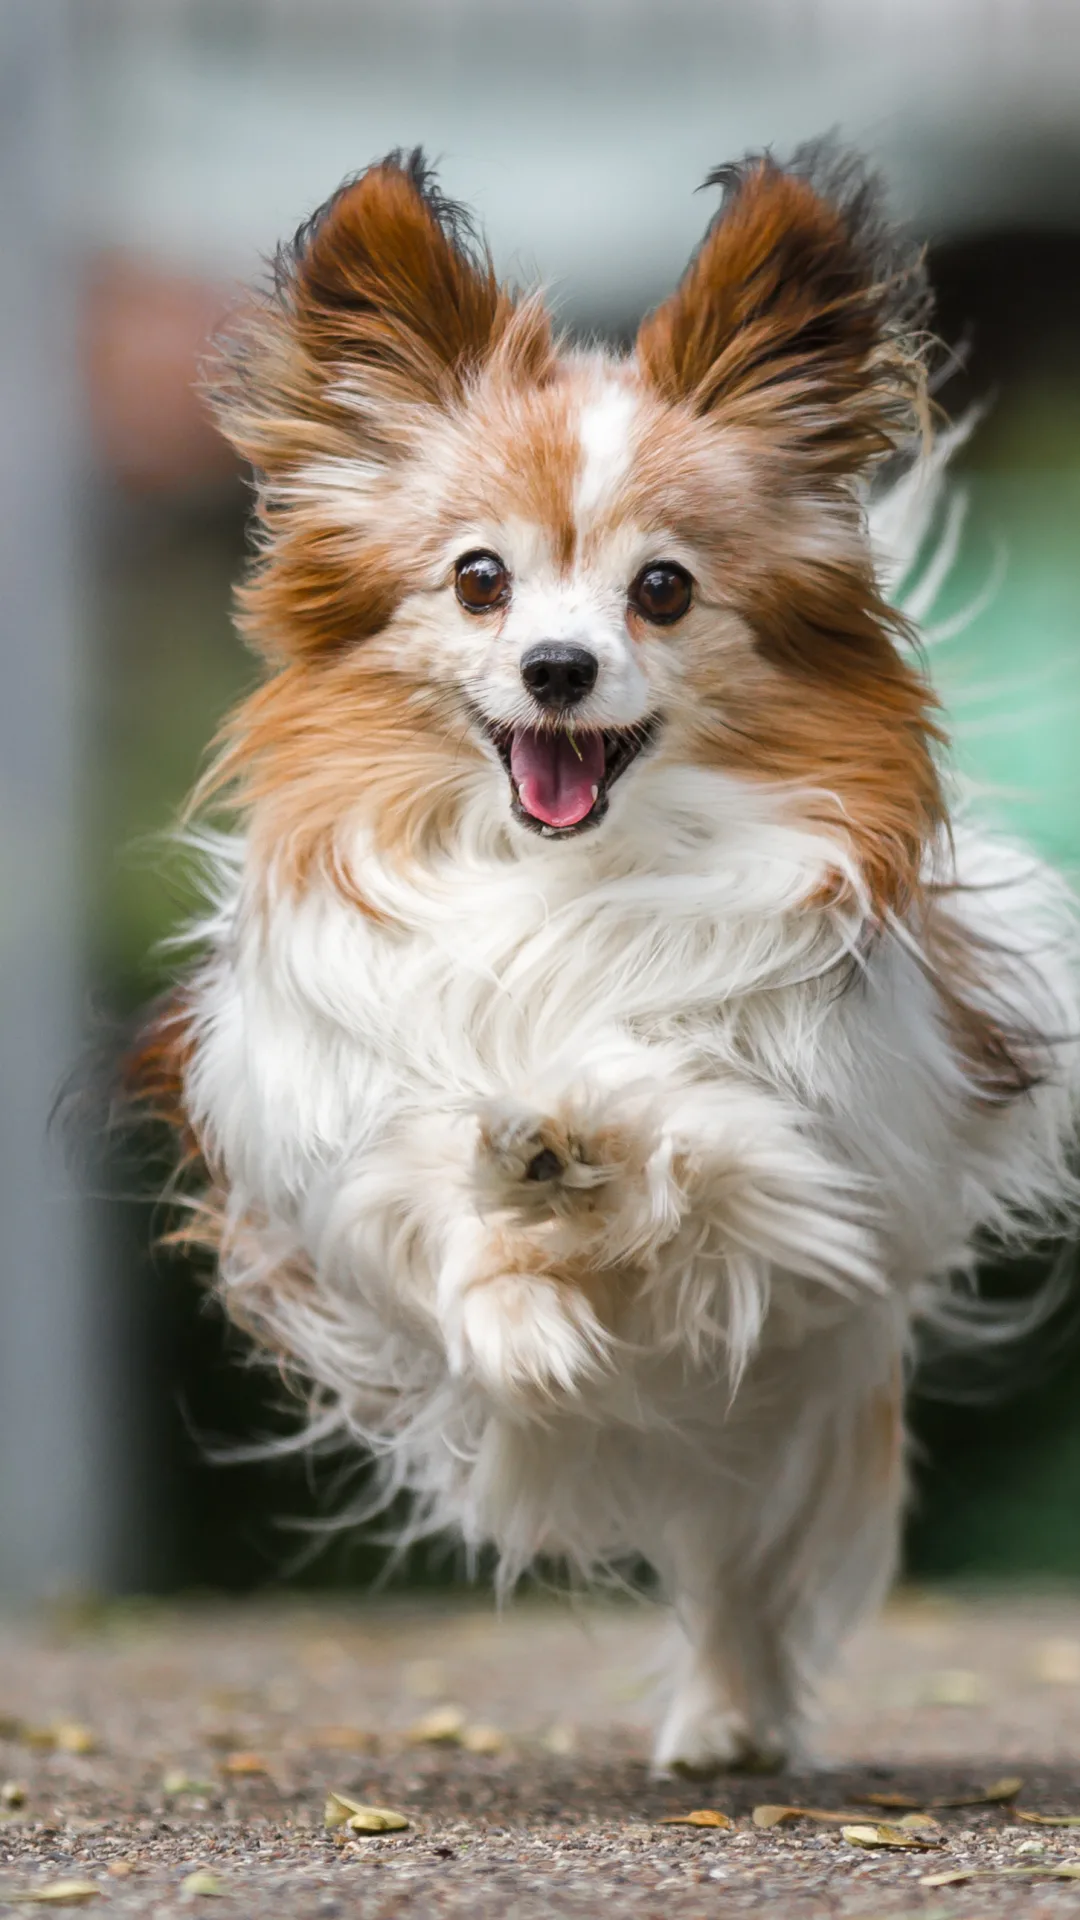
column 610, row 1036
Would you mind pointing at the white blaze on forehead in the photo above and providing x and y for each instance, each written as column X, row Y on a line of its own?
column 604, row 430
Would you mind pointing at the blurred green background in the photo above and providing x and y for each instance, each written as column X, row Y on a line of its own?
column 200, row 133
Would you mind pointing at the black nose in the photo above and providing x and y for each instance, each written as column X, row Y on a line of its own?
column 559, row 676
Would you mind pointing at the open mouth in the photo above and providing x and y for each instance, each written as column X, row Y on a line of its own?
column 561, row 780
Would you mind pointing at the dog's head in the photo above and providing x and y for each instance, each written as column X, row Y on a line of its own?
column 495, row 572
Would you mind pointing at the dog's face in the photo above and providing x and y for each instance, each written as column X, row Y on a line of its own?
column 499, row 572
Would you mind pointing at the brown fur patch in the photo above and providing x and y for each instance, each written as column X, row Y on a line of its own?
column 834, row 713
column 1004, row 1060
column 153, row 1071
column 325, row 745
column 795, row 315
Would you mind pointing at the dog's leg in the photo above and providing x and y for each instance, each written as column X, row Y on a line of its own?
column 512, row 1319
column 735, row 1702
column 761, row 1621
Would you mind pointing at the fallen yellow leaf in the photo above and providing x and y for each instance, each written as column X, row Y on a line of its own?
column 346, row 1739
column 883, row 1835
column 244, row 1763
column 58, row 1893
column 1063, row 1870
column 340, row 1811
column 444, row 1726
column 203, row 1882
column 482, row 1739
column 1047, row 1819
column 887, row 1800
column 176, row 1781
column 561, row 1738
column 700, row 1817
column 376, row 1820
column 70, row 1736
column 777, row 1816
column 998, row 1792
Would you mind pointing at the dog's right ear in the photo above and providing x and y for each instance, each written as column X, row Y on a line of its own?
column 385, row 303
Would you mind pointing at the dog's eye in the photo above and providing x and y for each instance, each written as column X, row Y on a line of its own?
column 482, row 582
column 662, row 592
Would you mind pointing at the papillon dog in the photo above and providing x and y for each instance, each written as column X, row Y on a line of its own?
column 608, row 1038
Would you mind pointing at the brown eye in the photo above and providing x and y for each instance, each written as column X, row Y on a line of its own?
column 662, row 592
column 482, row 582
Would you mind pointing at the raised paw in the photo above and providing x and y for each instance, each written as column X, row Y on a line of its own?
column 526, row 1338
column 520, row 1147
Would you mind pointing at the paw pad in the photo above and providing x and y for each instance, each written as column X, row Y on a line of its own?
column 545, row 1165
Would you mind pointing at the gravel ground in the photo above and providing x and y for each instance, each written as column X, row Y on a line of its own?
column 217, row 1732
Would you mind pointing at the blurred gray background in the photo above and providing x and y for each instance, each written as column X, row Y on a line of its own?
column 152, row 152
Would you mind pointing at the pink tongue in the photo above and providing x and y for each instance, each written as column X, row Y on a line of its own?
column 557, row 774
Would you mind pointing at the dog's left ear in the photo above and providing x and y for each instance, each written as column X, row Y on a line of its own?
column 800, row 314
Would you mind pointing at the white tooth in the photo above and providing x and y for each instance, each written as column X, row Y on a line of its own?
column 595, row 791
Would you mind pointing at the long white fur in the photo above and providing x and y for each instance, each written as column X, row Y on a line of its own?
column 801, row 1173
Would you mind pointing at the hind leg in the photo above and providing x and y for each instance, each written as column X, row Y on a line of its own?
column 735, row 1703
column 762, row 1618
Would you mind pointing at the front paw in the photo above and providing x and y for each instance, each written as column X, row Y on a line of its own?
column 521, row 1148
column 526, row 1338
column 589, row 1171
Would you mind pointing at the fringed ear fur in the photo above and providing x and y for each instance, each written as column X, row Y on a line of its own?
column 385, row 301
column 381, row 313
column 800, row 315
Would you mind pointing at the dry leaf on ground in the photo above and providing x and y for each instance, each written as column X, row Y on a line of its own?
column 58, row 1893
column 882, row 1834
column 700, row 1817
column 175, row 1781
column 997, row 1794
column 777, row 1816
column 344, row 1739
column 481, row 1739
column 444, row 1726
column 355, row 1817
column 561, row 1738
column 888, row 1800
column 71, row 1736
column 1047, row 1819
column 957, row 1876
column 203, row 1883
column 240, row 1764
